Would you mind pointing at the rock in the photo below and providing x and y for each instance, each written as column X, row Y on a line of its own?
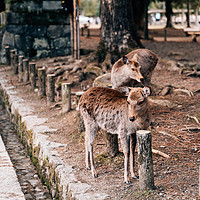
column 91, row 68
column 103, row 81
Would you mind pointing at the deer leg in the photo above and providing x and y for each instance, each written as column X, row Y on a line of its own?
column 132, row 157
column 94, row 173
column 125, row 145
column 90, row 133
column 87, row 154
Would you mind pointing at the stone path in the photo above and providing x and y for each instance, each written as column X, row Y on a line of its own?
column 25, row 179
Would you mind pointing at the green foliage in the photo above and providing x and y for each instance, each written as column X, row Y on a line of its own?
column 90, row 8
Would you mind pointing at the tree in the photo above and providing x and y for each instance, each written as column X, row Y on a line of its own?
column 119, row 36
column 168, row 13
column 118, row 31
column 2, row 5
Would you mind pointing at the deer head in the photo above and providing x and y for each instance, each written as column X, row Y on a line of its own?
column 137, row 102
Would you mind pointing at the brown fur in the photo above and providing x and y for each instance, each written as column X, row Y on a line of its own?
column 147, row 61
column 113, row 112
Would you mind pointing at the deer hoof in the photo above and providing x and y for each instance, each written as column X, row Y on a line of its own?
column 127, row 182
column 94, row 174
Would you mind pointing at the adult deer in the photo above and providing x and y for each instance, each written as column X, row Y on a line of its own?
column 129, row 69
column 115, row 113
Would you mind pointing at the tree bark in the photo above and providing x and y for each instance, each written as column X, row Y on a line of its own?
column 66, row 97
column 7, row 49
column 15, row 63
column 168, row 13
column 112, row 144
column 118, row 30
column 50, row 88
column 32, row 75
column 12, row 52
column 26, row 69
column 188, row 14
column 20, row 69
column 119, row 35
column 41, row 82
column 145, row 162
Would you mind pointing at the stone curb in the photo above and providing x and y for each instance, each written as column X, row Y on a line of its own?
column 58, row 176
column 10, row 187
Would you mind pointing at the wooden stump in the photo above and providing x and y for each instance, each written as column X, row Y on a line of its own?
column 66, row 97
column 26, row 70
column 81, row 126
column 12, row 52
column 112, row 144
column 7, row 49
column 145, row 162
column 41, row 82
column 32, row 75
column 20, row 69
column 50, row 88
column 15, row 63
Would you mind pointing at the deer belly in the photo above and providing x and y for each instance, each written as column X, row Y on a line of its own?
column 109, row 123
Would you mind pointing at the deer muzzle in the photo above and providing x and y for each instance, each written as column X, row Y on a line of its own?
column 132, row 118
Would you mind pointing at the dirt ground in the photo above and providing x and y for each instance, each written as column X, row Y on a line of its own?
column 174, row 129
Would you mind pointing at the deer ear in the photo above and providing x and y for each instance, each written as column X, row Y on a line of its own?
column 135, row 57
column 125, row 60
column 146, row 92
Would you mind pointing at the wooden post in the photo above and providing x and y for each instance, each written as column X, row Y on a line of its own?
column 50, row 88
column 165, row 34
column 81, row 126
column 12, row 52
column 76, row 29
column 26, row 70
column 15, row 63
column 41, row 82
column 32, row 75
column 20, row 69
column 66, row 97
column 112, row 144
column 7, row 48
column 88, row 32
column 145, row 162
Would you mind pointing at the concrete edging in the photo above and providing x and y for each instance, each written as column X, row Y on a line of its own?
column 58, row 176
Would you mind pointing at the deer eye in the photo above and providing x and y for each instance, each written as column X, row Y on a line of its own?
column 128, row 102
column 136, row 64
column 140, row 102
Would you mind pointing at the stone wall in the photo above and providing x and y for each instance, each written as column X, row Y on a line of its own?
column 35, row 30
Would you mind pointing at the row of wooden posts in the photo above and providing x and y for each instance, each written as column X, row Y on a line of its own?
column 27, row 73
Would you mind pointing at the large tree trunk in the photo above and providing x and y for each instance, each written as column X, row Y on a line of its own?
column 119, row 34
column 118, row 30
column 168, row 13
column 188, row 14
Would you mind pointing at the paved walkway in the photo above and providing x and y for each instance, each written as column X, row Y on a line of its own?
column 9, row 186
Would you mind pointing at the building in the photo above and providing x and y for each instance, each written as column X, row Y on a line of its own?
column 37, row 28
